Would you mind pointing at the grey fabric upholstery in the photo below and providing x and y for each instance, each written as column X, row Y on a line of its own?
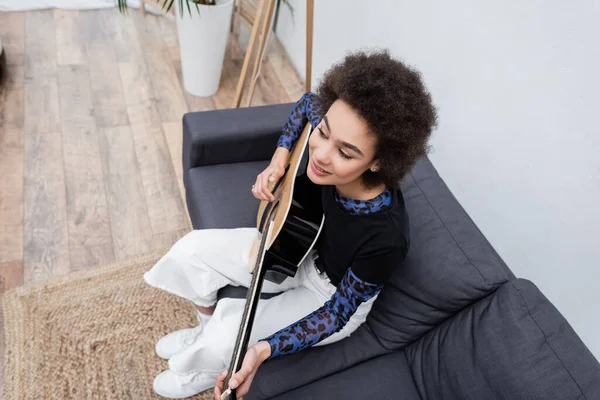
column 283, row 374
column 385, row 377
column 449, row 264
column 453, row 322
column 229, row 136
column 512, row 344
column 226, row 188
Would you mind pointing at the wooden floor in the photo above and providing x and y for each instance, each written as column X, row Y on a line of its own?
column 90, row 137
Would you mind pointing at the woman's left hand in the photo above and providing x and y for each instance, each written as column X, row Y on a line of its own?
column 242, row 380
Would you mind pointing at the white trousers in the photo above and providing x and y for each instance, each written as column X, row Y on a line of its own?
column 203, row 261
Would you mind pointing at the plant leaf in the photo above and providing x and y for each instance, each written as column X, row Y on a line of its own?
column 168, row 4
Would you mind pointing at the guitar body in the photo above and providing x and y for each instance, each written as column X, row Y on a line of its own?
column 295, row 230
column 287, row 233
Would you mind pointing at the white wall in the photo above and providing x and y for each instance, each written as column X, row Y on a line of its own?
column 517, row 86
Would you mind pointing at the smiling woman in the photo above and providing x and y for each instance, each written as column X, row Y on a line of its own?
column 392, row 104
column 371, row 119
column 336, row 148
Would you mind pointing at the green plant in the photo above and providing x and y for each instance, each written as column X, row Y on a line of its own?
column 167, row 4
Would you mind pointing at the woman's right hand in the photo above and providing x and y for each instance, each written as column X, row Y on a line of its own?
column 266, row 180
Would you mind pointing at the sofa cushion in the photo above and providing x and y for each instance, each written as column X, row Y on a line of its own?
column 220, row 196
column 385, row 377
column 295, row 370
column 449, row 265
column 514, row 344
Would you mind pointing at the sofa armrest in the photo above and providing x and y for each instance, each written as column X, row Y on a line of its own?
column 512, row 344
column 232, row 135
column 285, row 373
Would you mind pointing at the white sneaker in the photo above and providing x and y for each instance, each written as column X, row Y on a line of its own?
column 177, row 341
column 173, row 386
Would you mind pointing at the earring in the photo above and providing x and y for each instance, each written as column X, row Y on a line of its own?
column 374, row 169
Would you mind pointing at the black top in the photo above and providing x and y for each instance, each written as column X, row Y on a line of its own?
column 373, row 244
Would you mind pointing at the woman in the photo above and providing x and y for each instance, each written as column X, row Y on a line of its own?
column 371, row 119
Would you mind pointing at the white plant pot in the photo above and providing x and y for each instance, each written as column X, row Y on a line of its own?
column 202, row 42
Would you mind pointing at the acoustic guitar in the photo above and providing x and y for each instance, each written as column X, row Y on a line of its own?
column 287, row 234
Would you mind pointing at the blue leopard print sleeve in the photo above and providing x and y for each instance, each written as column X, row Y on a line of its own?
column 306, row 109
column 325, row 321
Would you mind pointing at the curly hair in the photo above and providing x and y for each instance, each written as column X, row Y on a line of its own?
column 393, row 101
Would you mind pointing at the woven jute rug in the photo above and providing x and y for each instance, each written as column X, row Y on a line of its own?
column 90, row 334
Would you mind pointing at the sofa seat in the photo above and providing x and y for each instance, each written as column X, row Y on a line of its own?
column 389, row 373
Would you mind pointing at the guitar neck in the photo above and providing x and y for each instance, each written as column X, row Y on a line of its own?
column 272, row 219
column 252, row 299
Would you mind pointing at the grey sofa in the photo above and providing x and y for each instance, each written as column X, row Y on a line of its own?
column 453, row 323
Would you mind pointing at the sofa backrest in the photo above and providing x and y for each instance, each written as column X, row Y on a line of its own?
column 513, row 344
column 450, row 264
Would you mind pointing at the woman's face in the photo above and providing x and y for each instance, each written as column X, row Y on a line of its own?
column 342, row 146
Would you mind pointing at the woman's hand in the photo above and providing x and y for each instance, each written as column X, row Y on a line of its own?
column 266, row 180
column 242, row 379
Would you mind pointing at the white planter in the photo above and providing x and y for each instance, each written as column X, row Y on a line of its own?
column 202, row 42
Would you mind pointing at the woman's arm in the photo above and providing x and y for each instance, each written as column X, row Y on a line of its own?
column 325, row 321
column 306, row 109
